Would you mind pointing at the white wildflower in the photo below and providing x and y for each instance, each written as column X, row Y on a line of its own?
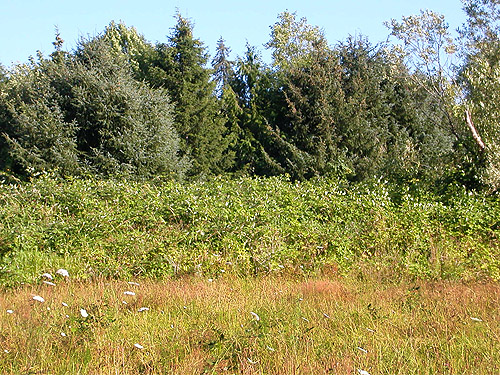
column 476, row 319
column 84, row 313
column 139, row 346
column 143, row 309
column 256, row 317
column 252, row 362
column 10, row 311
column 270, row 349
column 210, row 280
column 363, row 372
column 6, row 351
column 129, row 293
column 48, row 276
column 64, row 304
column 39, row 299
column 63, row 334
column 125, row 302
column 133, row 283
column 62, row 272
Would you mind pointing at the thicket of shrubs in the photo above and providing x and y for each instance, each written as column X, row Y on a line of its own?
column 242, row 227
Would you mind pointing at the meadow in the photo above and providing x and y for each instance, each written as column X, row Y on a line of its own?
column 249, row 275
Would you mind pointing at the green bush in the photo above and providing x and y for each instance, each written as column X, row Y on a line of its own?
column 247, row 226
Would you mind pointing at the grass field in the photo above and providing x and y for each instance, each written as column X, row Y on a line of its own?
column 269, row 325
column 248, row 276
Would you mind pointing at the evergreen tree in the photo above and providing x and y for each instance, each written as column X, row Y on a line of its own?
column 85, row 113
column 180, row 67
column 222, row 67
column 263, row 149
column 5, row 162
column 37, row 135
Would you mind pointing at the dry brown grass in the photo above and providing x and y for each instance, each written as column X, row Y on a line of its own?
column 314, row 326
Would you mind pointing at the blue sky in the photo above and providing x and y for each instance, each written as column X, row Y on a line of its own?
column 28, row 25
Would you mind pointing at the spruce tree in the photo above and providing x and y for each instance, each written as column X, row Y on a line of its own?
column 263, row 149
column 180, row 67
column 85, row 113
column 222, row 67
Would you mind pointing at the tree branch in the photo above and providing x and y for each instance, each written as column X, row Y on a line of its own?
column 473, row 130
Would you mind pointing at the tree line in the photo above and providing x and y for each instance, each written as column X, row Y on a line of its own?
column 119, row 105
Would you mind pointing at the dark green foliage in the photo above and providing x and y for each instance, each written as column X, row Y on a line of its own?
column 38, row 136
column 124, row 125
column 387, row 126
column 313, row 95
column 262, row 149
column 353, row 110
column 179, row 67
column 222, row 67
column 86, row 114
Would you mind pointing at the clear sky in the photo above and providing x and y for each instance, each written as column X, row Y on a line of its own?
column 29, row 25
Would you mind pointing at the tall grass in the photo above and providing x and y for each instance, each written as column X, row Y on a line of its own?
column 264, row 325
column 249, row 226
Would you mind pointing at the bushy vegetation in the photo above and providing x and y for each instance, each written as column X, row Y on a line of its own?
column 246, row 226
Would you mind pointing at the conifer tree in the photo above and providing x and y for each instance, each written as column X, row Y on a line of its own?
column 127, row 41
column 180, row 67
column 222, row 67
column 85, row 113
column 263, row 149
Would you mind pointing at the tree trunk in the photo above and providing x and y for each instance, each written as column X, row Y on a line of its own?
column 473, row 130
